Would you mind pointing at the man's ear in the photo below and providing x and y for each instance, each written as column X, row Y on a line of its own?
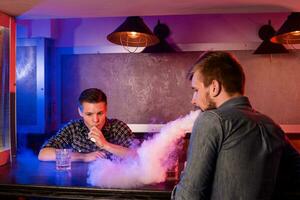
column 215, row 88
column 80, row 112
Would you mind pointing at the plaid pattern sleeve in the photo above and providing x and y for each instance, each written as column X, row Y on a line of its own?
column 119, row 133
column 75, row 135
column 63, row 137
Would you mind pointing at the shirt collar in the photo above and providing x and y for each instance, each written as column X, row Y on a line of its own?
column 241, row 101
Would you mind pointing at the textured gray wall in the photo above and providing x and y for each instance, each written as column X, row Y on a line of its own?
column 141, row 88
column 152, row 88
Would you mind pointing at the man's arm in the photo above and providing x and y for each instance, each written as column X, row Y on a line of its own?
column 62, row 140
column 58, row 141
column 119, row 150
column 196, row 182
column 48, row 154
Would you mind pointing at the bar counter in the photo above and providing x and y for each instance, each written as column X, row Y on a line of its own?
column 32, row 178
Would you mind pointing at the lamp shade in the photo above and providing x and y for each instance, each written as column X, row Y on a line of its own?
column 267, row 47
column 289, row 32
column 133, row 32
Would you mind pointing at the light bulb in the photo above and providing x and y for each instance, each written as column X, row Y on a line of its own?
column 133, row 35
column 296, row 33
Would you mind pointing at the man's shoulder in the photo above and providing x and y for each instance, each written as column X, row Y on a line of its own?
column 117, row 125
column 213, row 114
column 114, row 121
column 74, row 123
column 209, row 117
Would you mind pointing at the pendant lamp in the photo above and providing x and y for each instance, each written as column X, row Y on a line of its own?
column 289, row 32
column 133, row 32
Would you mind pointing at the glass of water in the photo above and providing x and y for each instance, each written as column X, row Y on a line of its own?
column 63, row 159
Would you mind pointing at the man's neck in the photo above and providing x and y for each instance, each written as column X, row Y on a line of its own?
column 223, row 97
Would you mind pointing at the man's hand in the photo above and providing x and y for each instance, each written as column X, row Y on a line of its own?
column 89, row 157
column 96, row 136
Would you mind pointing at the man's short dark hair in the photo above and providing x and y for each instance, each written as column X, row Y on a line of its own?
column 223, row 67
column 92, row 95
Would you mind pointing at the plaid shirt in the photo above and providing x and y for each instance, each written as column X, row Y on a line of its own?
column 74, row 135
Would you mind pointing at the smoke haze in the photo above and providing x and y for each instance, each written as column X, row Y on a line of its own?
column 155, row 157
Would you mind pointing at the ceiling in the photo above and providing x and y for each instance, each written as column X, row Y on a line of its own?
column 37, row 9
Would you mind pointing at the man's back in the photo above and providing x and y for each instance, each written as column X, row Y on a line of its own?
column 249, row 157
column 235, row 153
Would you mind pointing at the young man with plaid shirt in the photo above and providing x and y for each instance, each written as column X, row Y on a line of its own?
column 94, row 136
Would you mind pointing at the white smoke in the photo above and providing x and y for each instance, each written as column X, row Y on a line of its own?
column 153, row 160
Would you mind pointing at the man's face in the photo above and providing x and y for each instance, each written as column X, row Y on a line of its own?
column 93, row 114
column 201, row 97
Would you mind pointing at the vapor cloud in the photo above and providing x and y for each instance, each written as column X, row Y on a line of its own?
column 155, row 157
